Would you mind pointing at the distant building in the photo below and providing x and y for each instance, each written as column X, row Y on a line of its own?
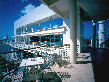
column 102, row 35
column 28, row 29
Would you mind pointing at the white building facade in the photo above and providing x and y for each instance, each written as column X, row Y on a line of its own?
column 24, row 28
column 102, row 34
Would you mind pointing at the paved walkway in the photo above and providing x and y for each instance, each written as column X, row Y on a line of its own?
column 75, row 72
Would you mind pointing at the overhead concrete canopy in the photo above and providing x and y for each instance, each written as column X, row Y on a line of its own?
column 61, row 7
column 96, row 9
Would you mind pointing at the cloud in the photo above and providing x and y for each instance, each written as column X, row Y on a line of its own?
column 28, row 9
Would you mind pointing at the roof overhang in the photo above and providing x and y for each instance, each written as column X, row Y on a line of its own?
column 96, row 9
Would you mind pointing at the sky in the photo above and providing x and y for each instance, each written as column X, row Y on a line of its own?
column 11, row 10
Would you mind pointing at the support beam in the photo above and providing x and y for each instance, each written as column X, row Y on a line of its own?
column 80, row 29
column 28, row 39
column 40, row 38
column 73, row 30
column 94, row 35
column 24, row 39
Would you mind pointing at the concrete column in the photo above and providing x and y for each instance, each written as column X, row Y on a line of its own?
column 96, row 44
column 40, row 38
column 73, row 30
column 33, row 44
column 20, row 30
column 94, row 35
column 101, row 35
column 91, row 42
column 16, row 39
column 81, row 36
column 28, row 40
column 25, row 29
column 32, row 30
column 24, row 39
column 54, row 38
column 80, row 29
